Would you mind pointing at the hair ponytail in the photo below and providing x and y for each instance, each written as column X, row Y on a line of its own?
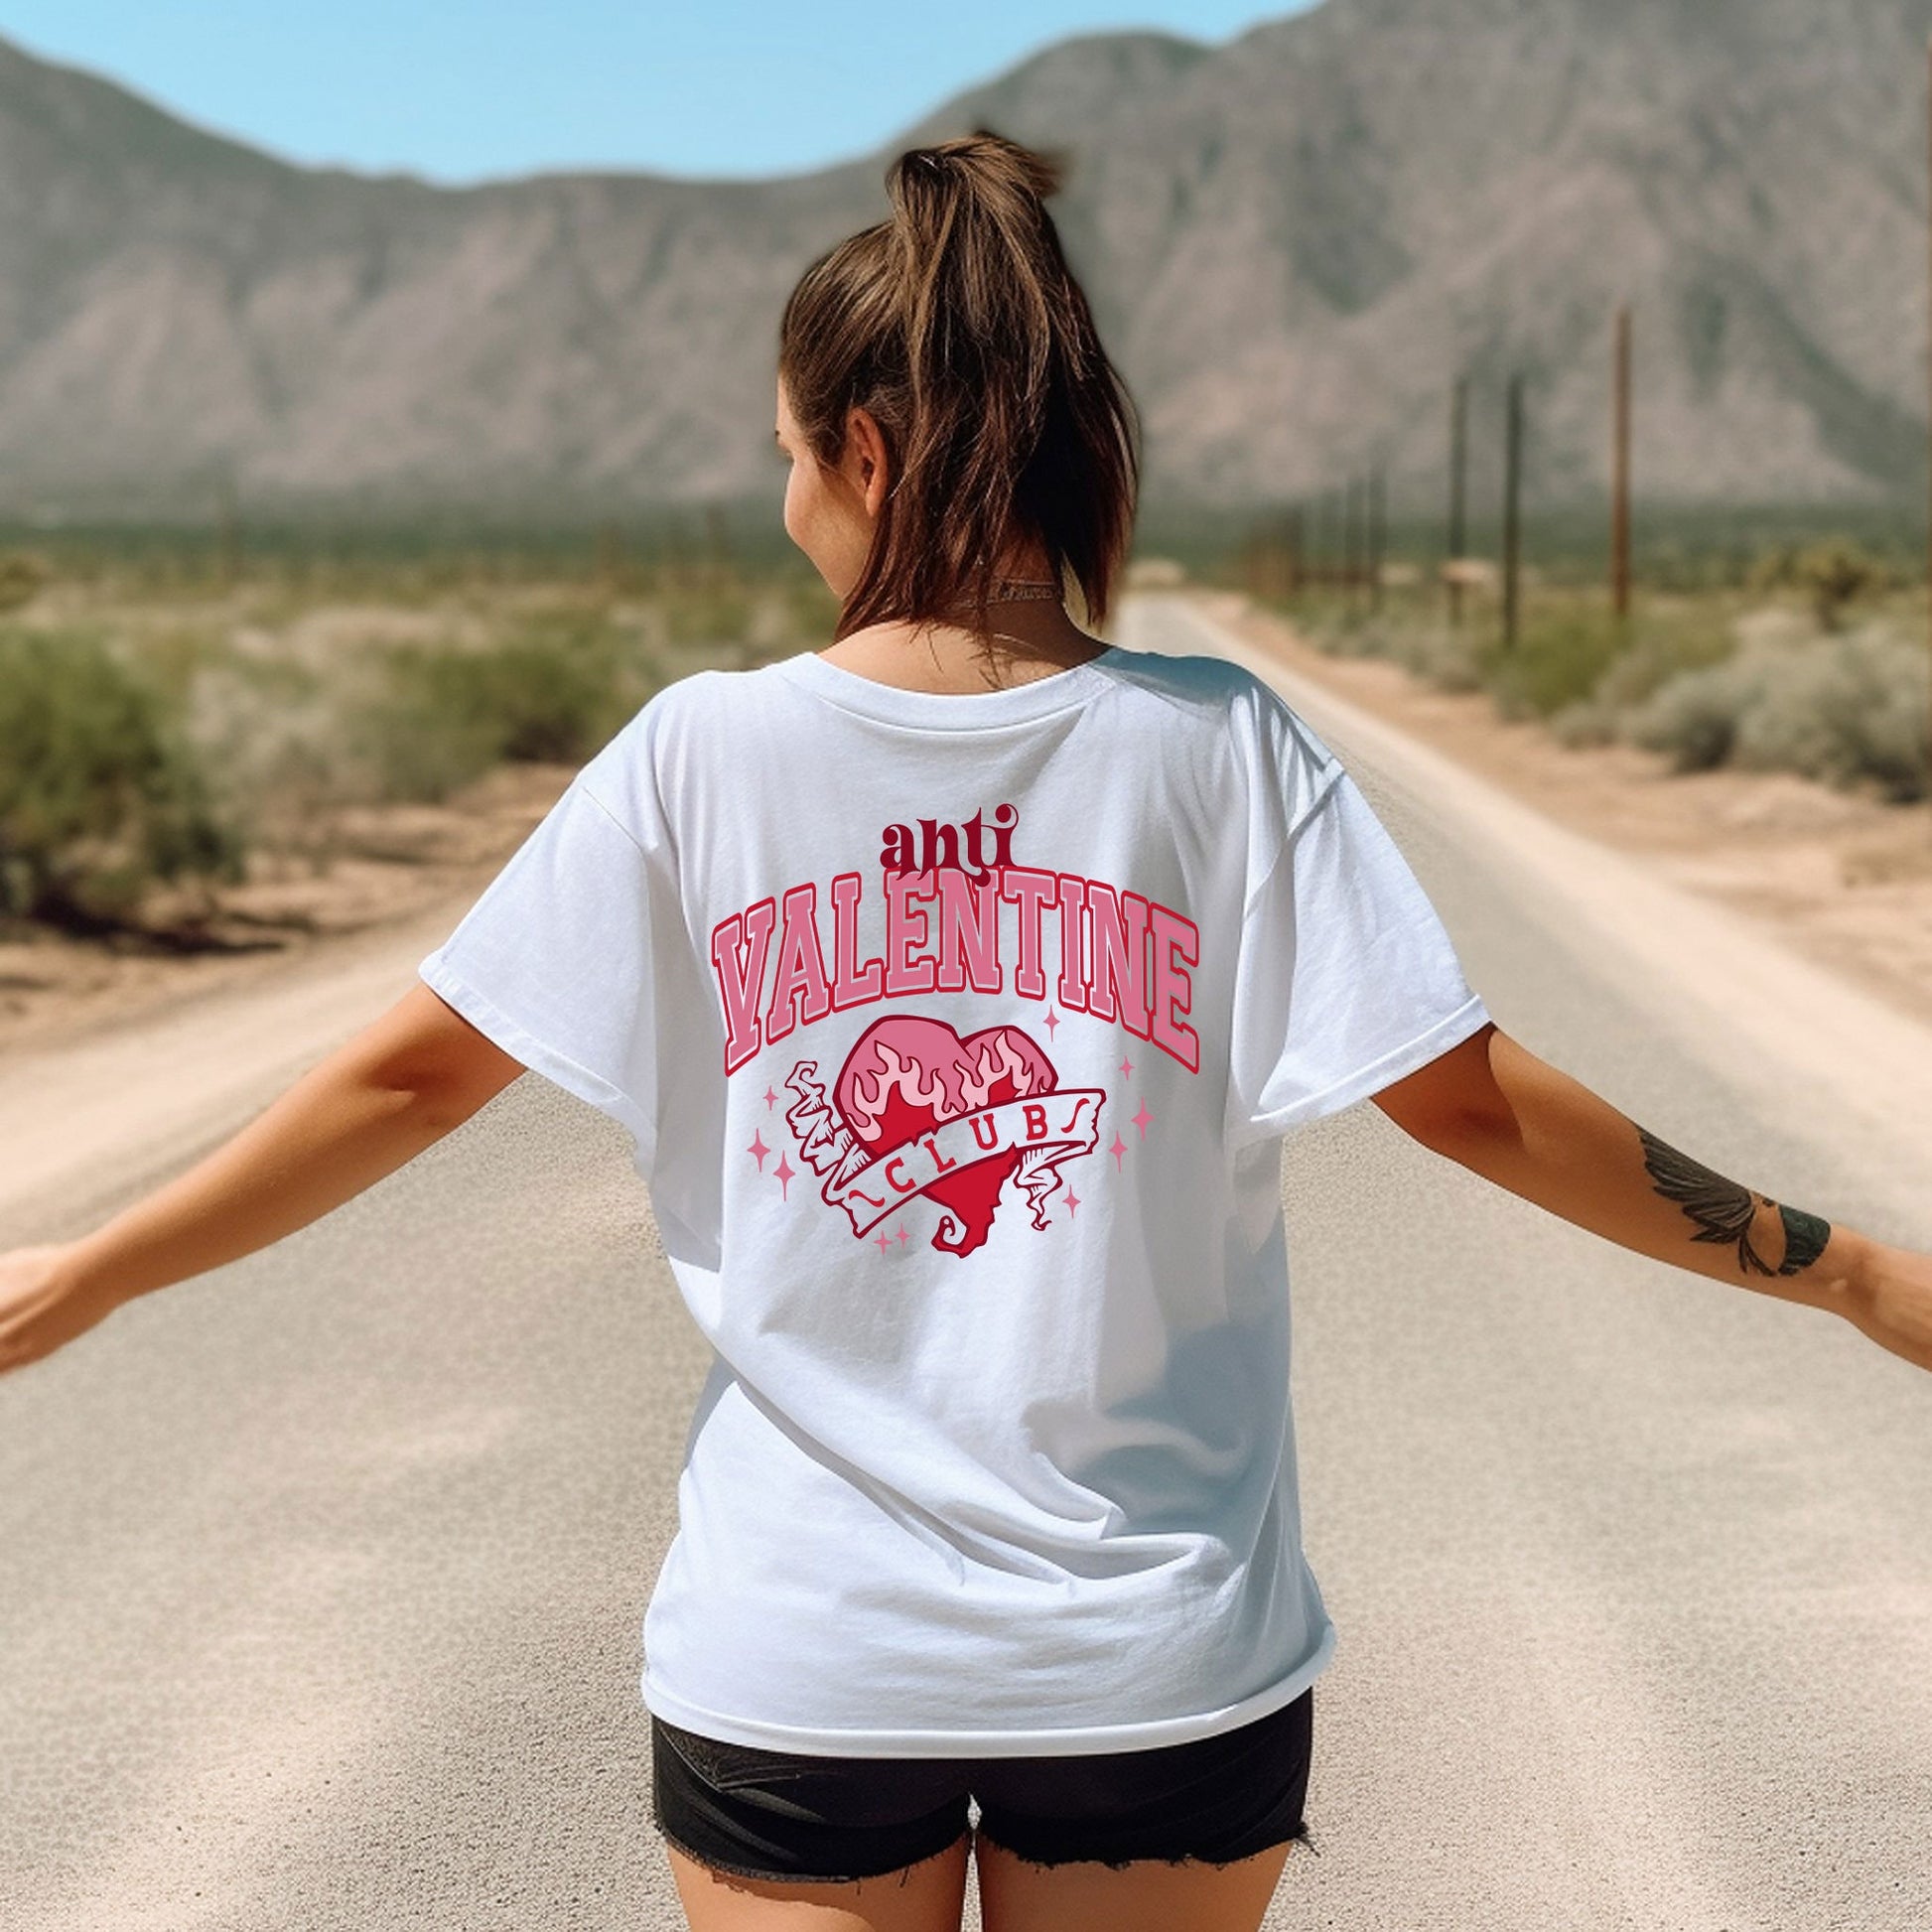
column 959, row 326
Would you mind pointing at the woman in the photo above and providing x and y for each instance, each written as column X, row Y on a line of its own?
column 957, row 984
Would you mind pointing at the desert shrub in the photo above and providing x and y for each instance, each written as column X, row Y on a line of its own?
column 1665, row 641
column 1559, row 656
column 704, row 613
column 1773, row 569
column 22, row 578
column 1693, row 718
column 1848, row 710
column 1442, row 654
column 101, row 793
column 1834, row 574
column 269, row 726
column 1349, row 632
column 441, row 716
column 1585, row 721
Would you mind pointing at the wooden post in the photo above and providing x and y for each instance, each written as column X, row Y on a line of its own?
column 228, row 531
column 1512, row 515
column 1352, row 541
column 1621, row 474
column 610, row 555
column 1377, row 533
column 1459, row 491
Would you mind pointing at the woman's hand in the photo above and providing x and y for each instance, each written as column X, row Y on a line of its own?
column 43, row 1306
column 1891, row 1302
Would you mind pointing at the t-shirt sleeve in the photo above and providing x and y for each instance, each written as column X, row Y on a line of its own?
column 554, row 961
column 1348, row 979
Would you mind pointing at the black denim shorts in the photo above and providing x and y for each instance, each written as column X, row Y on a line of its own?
column 788, row 1816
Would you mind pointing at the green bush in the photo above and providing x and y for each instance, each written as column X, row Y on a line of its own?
column 1693, row 717
column 1445, row 655
column 1847, row 711
column 22, row 578
column 1559, row 659
column 101, row 794
column 1665, row 640
column 443, row 715
column 1834, row 574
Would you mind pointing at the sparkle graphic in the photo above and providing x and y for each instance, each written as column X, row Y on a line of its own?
column 757, row 1150
column 1142, row 1120
column 1117, row 1149
column 883, row 1244
column 1050, row 1022
column 1127, row 1067
column 771, row 1099
column 901, row 1234
column 785, row 1170
column 1073, row 1201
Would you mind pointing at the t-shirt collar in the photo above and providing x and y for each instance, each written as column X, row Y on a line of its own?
column 949, row 710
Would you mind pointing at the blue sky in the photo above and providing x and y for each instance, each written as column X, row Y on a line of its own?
column 465, row 93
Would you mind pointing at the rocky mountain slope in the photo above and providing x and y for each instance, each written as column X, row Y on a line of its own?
column 1294, row 241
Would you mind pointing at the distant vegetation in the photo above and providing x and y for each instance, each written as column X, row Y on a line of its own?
column 176, row 704
column 1807, row 654
column 169, row 709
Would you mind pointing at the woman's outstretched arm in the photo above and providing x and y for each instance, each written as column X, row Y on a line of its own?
column 411, row 1077
column 1494, row 1107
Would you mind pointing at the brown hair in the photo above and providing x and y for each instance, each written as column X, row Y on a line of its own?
column 959, row 326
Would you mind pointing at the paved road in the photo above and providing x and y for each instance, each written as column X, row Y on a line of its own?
column 324, row 1574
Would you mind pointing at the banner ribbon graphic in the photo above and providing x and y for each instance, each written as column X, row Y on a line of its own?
column 1047, row 1128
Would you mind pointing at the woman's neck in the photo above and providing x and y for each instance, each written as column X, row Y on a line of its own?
column 1032, row 639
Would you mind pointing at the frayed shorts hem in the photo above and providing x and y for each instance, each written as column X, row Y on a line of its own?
column 782, row 1816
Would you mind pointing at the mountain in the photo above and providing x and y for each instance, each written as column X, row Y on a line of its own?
column 1293, row 241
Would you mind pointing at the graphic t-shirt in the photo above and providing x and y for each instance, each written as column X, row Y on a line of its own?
column 957, row 1035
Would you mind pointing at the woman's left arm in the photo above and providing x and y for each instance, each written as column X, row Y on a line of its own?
column 1494, row 1107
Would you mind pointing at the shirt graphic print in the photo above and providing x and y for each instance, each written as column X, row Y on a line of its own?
column 956, row 1036
column 915, row 1112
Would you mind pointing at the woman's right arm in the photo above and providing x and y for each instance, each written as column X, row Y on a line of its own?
column 412, row 1076
column 1492, row 1105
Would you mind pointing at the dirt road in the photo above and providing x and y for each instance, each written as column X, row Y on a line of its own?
column 326, row 1571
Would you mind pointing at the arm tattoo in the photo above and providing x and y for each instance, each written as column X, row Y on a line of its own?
column 1725, row 1212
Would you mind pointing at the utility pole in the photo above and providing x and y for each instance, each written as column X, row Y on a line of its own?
column 1459, row 492
column 1351, row 539
column 1512, row 515
column 1621, row 474
column 227, row 530
column 1377, row 534
column 1263, row 564
column 610, row 555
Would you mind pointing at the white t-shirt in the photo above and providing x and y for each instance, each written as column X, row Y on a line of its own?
column 957, row 1035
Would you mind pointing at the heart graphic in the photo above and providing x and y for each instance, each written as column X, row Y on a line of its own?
column 908, row 1075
